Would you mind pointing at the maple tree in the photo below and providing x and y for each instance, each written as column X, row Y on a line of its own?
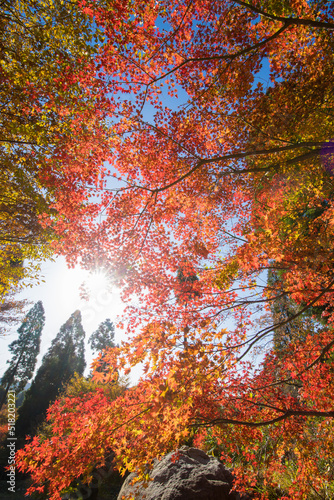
column 77, row 388
column 232, row 177
column 45, row 45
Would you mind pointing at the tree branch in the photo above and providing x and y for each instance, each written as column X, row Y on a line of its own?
column 288, row 21
column 240, row 156
column 287, row 414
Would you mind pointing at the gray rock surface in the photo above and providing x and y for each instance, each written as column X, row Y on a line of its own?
column 194, row 476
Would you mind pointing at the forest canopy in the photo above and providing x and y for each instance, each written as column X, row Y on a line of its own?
column 189, row 155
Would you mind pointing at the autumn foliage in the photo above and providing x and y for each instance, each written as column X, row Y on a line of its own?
column 208, row 139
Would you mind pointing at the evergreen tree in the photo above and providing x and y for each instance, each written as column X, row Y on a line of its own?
column 290, row 324
column 65, row 357
column 102, row 338
column 24, row 352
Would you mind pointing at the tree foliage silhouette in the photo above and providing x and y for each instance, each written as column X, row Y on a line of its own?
column 24, row 352
column 65, row 357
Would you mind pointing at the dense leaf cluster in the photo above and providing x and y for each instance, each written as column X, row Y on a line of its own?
column 223, row 175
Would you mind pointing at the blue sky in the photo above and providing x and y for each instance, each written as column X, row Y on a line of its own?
column 61, row 297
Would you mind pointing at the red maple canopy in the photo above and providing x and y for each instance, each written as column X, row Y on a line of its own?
column 216, row 119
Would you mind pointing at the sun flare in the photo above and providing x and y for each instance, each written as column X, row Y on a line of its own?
column 97, row 281
column 85, row 285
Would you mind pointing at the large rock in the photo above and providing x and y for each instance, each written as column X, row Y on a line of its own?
column 194, row 476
